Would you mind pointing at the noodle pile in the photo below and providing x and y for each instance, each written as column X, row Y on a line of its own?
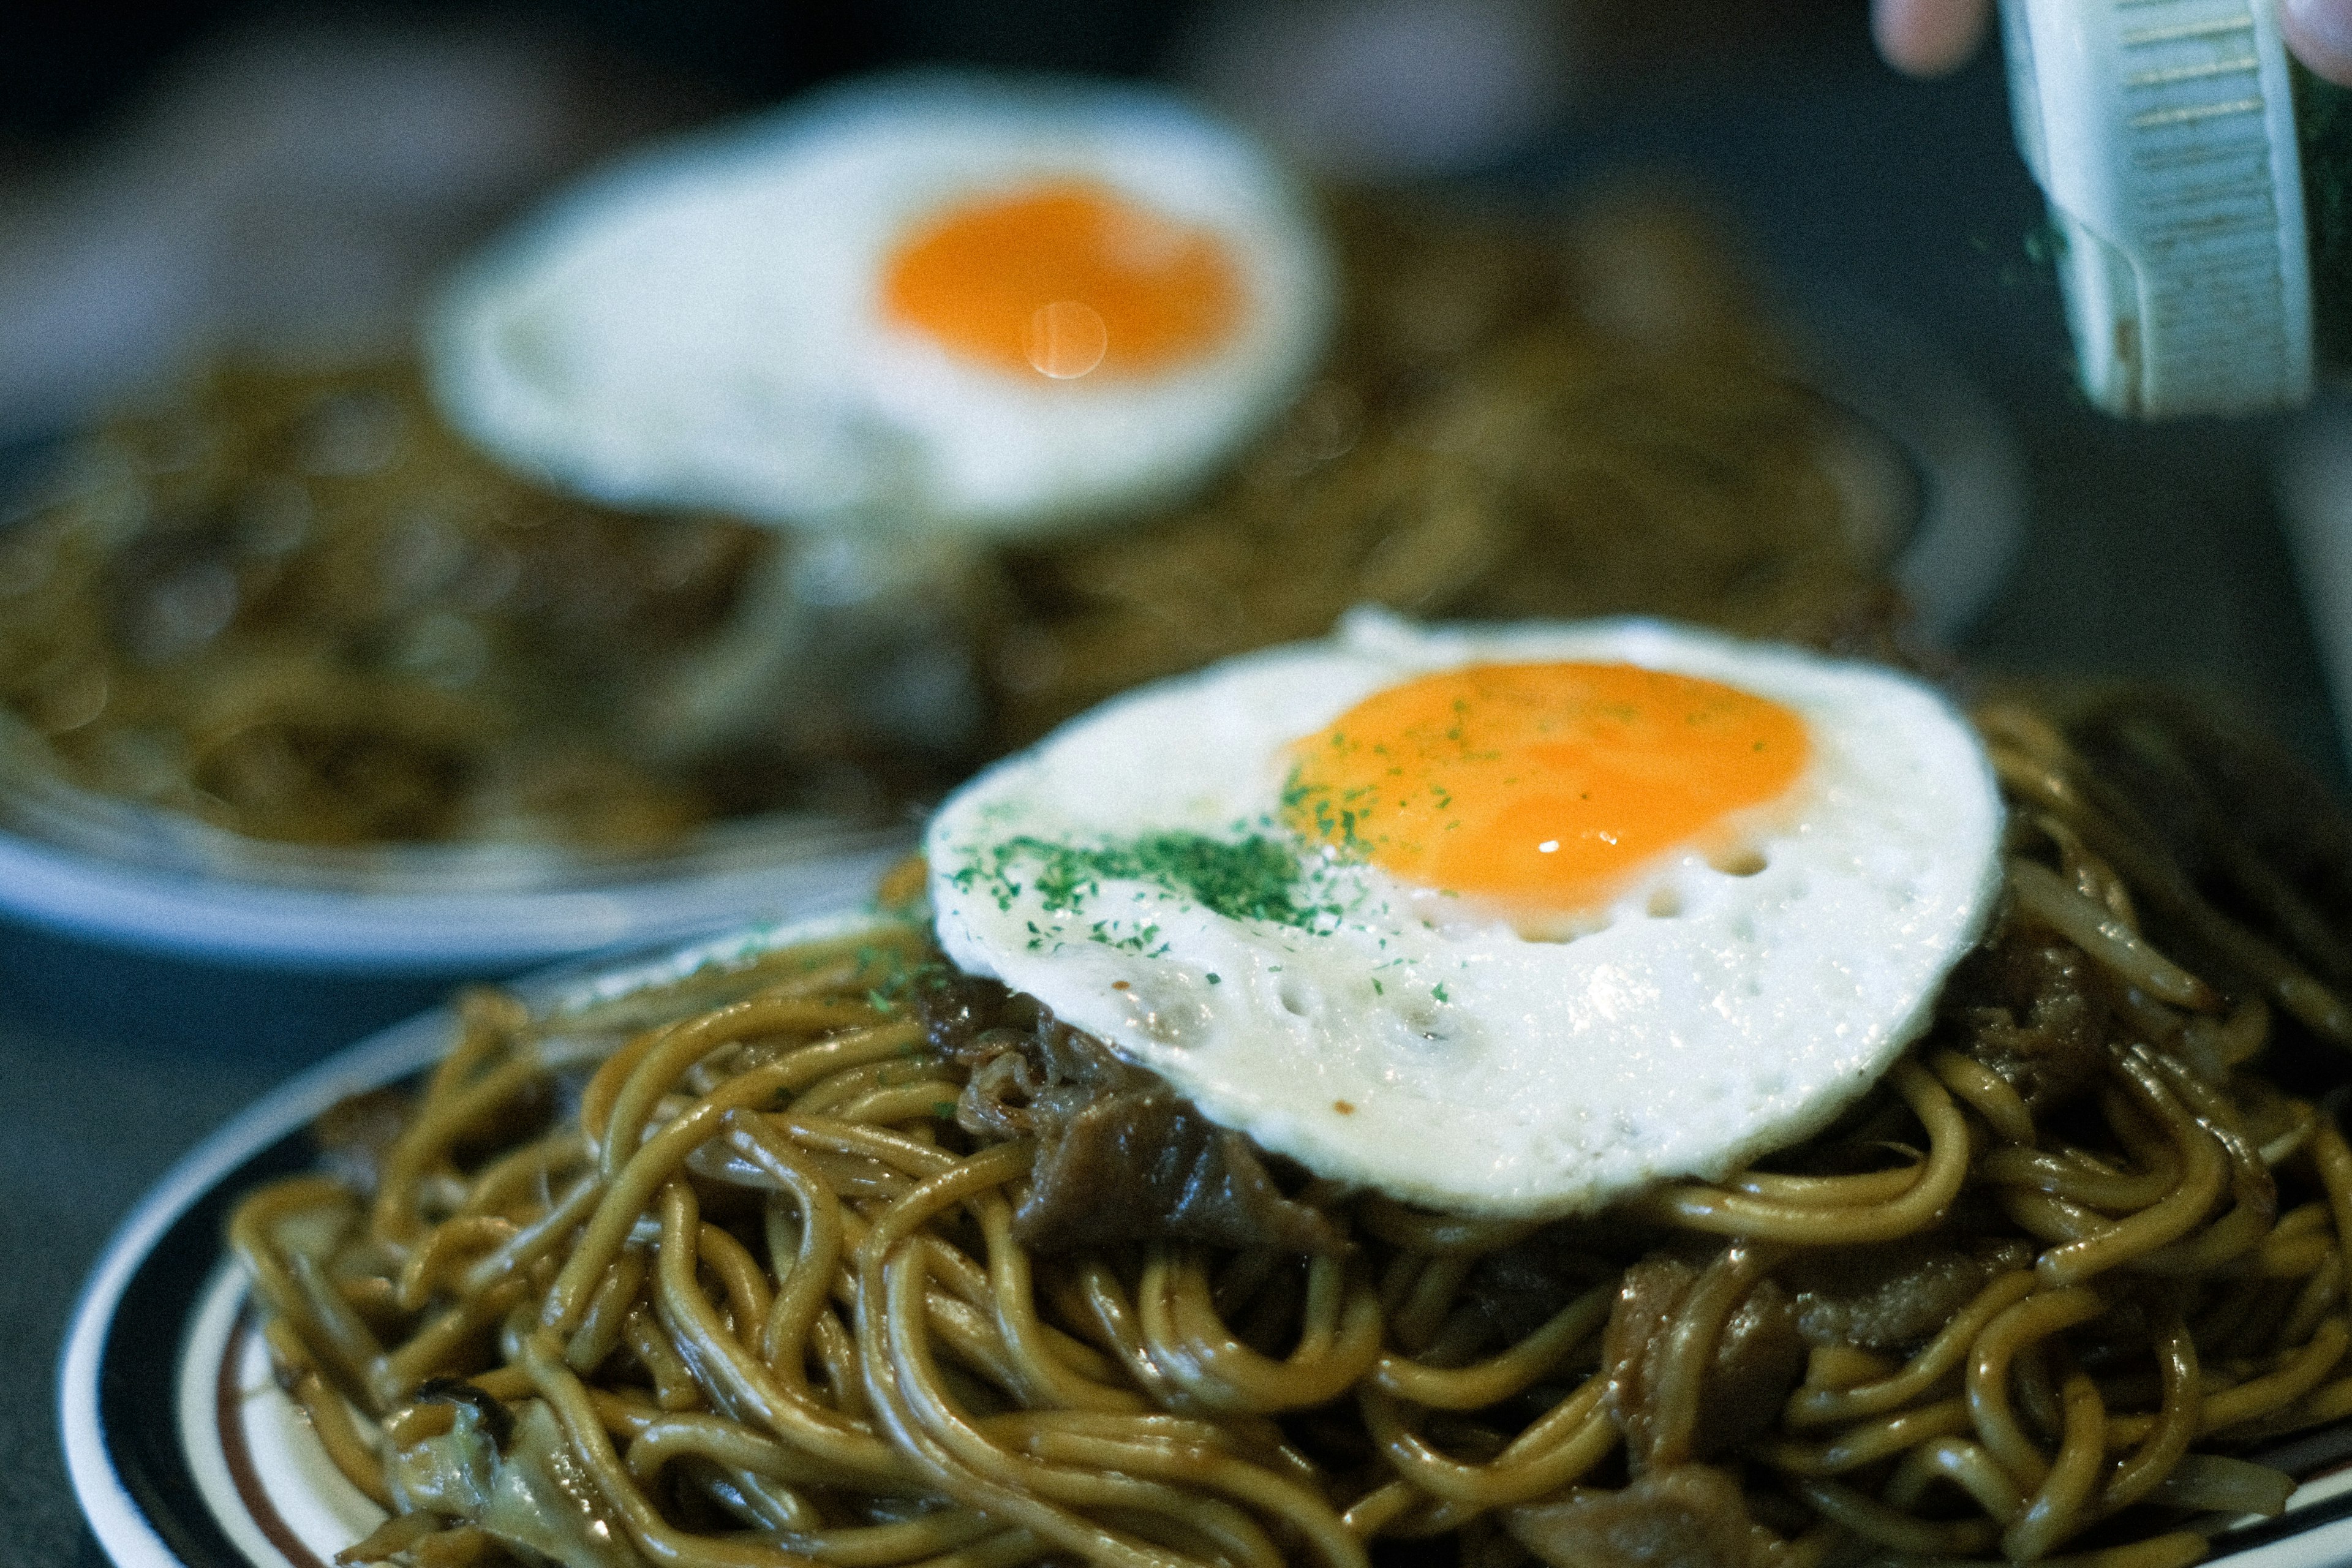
column 294, row 606
column 757, row 1297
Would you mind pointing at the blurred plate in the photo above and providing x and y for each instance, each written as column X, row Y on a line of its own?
column 484, row 910
column 1933, row 458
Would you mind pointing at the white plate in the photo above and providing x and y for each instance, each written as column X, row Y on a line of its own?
column 184, row 1454
column 427, row 930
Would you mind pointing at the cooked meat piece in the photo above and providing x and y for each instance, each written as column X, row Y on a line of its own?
column 1519, row 1286
column 353, row 1135
column 1121, row 1156
column 1897, row 1294
column 1132, row 1167
column 955, row 1008
column 2028, row 1009
column 1634, row 1346
column 1758, row 1359
column 1757, row 1362
column 1689, row 1516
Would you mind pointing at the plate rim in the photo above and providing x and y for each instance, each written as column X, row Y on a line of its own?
column 209, row 919
column 123, row 1529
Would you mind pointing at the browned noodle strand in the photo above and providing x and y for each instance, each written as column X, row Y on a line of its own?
column 763, row 1294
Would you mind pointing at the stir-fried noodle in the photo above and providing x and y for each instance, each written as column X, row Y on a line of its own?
column 766, row 1288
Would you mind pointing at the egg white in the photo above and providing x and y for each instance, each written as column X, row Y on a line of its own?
column 1702, row 1019
column 702, row 324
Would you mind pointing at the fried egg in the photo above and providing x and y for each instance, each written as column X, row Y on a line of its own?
column 1504, row 919
column 938, row 302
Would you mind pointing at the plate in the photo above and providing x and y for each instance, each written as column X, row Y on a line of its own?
column 427, row 927
column 184, row 1454
column 111, row 871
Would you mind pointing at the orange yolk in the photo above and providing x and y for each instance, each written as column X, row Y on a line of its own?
column 1542, row 785
column 1064, row 279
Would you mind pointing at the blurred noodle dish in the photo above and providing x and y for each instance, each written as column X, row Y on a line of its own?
column 305, row 607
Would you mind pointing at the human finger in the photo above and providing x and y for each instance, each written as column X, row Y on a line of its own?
column 1930, row 38
column 2320, row 33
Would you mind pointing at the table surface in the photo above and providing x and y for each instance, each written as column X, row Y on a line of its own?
column 2147, row 553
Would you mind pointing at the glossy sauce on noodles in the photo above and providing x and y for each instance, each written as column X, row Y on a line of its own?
column 779, row 1280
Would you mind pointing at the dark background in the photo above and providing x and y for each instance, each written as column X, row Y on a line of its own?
column 2149, row 551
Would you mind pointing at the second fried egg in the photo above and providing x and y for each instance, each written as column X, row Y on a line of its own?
column 934, row 303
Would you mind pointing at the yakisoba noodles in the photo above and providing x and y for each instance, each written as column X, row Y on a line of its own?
column 298, row 608
column 758, row 1292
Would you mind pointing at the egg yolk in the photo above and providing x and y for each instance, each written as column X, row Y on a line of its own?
column 1542, row 786
column 1065, row 280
